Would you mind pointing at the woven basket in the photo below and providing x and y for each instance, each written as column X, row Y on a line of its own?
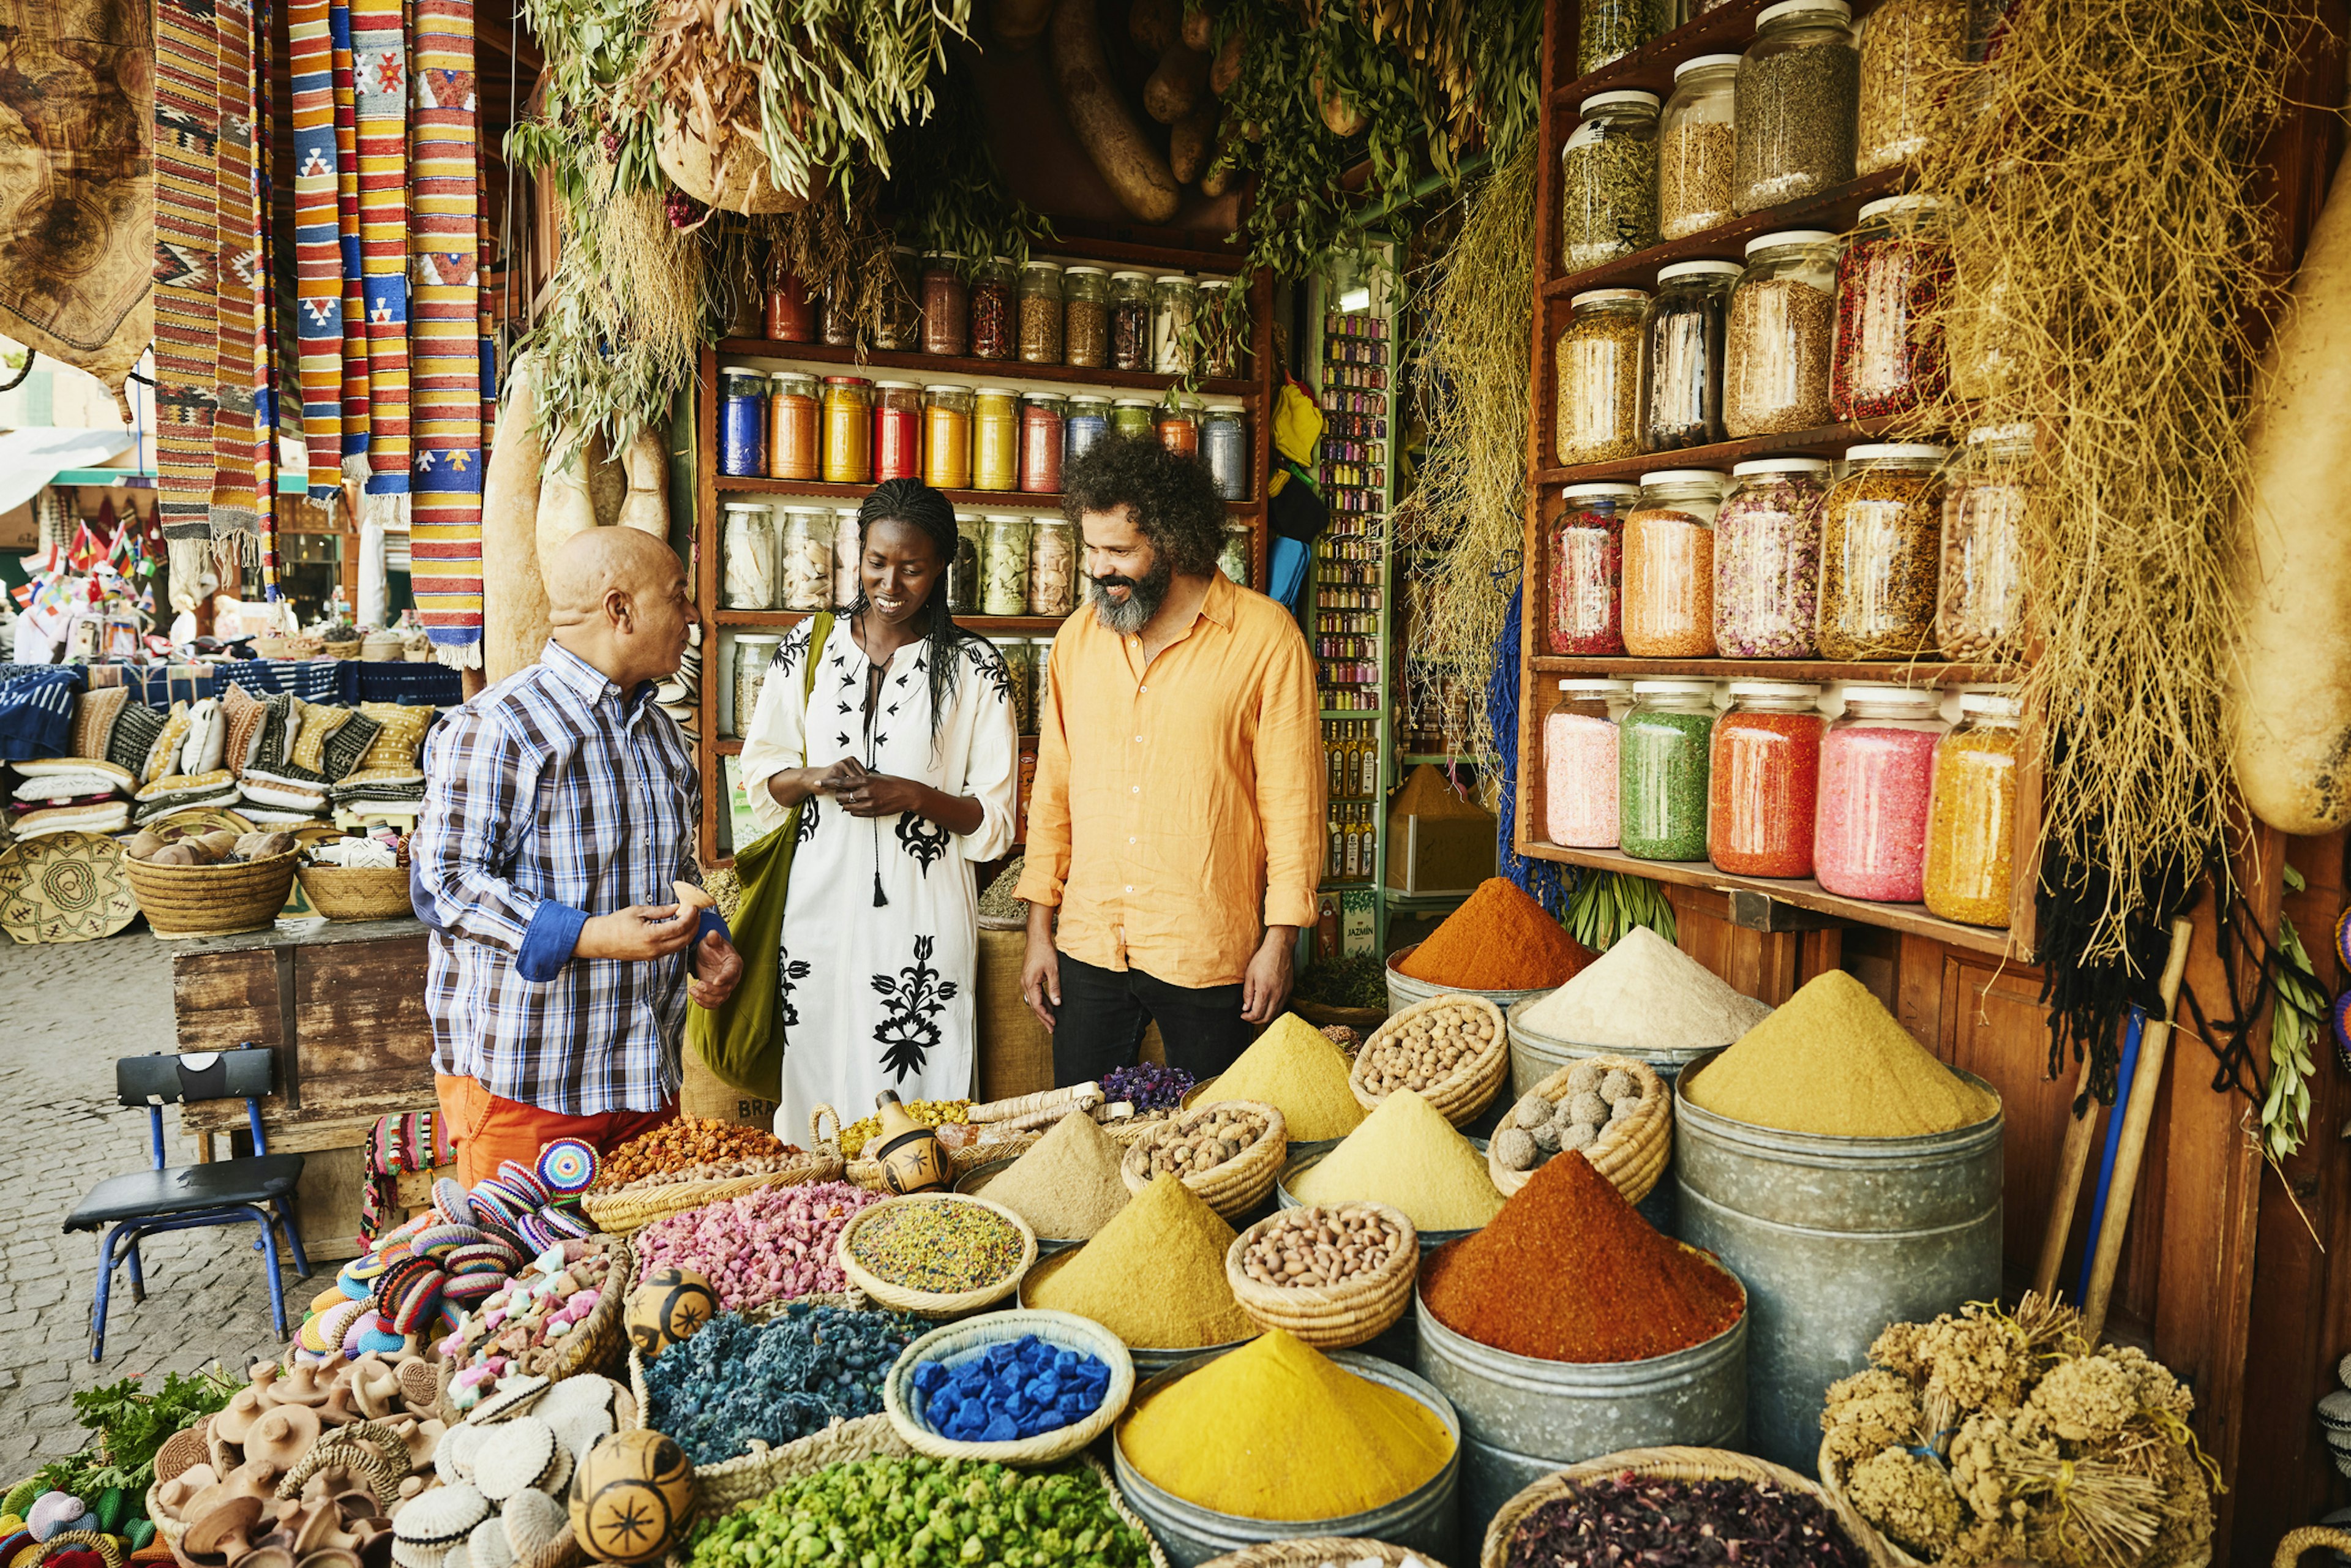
column 623, row 1211
column 934, row 1303
column 1631, row 1154
column 167, row 1529
column 363, row 893
column 594, row 1344
column 2309, row 1538
column 1474, row 1084
column 213, row 900
column 1063, row 1330
column 1313, row 1550
column 1321, row 1015
column 1882, row 1554
column 1238, row 1186
column 104, row 1545
column 284, row 647
column 1329, row 1317
column 1672, row 1464
column 381, row 647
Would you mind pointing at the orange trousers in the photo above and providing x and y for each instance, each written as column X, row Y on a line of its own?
column 488, row 1129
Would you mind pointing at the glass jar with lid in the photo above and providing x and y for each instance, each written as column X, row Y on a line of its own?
column 1681, row 355
column 963, row 572
column 1086, row 318
column 1131, row 416
column 1608, row 179
column 1040, row 442
column 790, row 314
column 1669, row 565
column 742, row 422
column 1761, row 779
column 1004, row 567
column 1052, row 566
column 1086, row 421
column 1130, row 320
column 947, row 436
column 993, row 309
column 1175, row 301
column 1877, row 766
column 1177, row 426
column 1610, row 29
column 1224, row 445
column 1908, row 49
column 1972, row 813
column 1695, row 144
column 1881, row 540
column 795, row 420
column 806, row 556
column 1889, row 352
column 900, row 330
column 1798, row 86
column 747, row 556
column 1238, row 548
column 1040, row 670
column 1580, row 764
column 836, row 321
column 754, row 652
column 1217, row 357
column 1779, row 335
column 1598, row 363
column 1767, row 558
column 848, row 554
column 1979, row 600
column 1587, row 570
column 897, row 430
column 1020, row 655
column 1664, row 748
column 848, row 429
column 1040, row 313
column 946, row 305
column 994, row 439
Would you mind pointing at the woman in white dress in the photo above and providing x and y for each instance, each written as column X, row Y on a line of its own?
column 902, row 760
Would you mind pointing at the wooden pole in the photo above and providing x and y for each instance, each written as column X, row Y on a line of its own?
column 2080, row 1133
column 2138, row 1115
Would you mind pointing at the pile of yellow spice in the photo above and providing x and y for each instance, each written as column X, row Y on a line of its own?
column 1294, row 1068
column 1408, row 1156
column 1155, row 1275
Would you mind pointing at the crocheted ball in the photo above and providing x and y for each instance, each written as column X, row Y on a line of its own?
column 524, row 1181
column 566, row 1166
column 452, row 1204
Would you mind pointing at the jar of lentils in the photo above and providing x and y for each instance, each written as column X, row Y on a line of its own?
column 1906, row 49
column 946, row 305
column 1131, row 416
column 1696, row 146
column 1761, row 777
column 1580, row 764
column 1040, row 313
column 1611, row 30
column 794, row 424
column 1781, row 335
column 1664, row 745
column 1972, row 813
column 1085, row 322
column 1877, row 766
column 1598, row 361
column 1178, row 429
column 1881, row 538
column 1890, row 349
column 1587, row 572
column 1130, row 320
column 1669, row 565
column 1682, row 354
column 1608, row 179
column 1767, row 558
column 1798, row 85
column 1980, row 596
column 993, row 309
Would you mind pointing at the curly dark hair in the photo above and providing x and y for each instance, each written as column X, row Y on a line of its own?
column 1173, row 501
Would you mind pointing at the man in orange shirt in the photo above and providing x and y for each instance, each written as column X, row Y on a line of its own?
column 1176, row 818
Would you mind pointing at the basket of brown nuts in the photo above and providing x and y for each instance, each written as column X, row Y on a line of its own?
column 1335, row 1275
column 1452, row 1051
column 1615, row 1110
column 692, row 1161
column 1228, row 1151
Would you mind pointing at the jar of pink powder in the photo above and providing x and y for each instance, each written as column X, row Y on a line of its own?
column 1877, row 768
column 1578, row 741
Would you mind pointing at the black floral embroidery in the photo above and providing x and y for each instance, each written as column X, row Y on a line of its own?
column 990, row 665
column 789, row 972
column 808, row 822
column 914, row 998
column 787, row 653
column 925, row 840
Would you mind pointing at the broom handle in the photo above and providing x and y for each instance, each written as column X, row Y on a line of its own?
column 2080, row 1133
column 2154, row 1045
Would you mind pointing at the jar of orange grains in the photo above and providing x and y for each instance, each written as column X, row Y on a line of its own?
column 1762, row 779
column 1972, row 813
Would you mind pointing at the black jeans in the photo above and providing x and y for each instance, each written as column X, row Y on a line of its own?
column 1104, row 1013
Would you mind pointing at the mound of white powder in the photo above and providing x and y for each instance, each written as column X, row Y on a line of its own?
column 1644, row 994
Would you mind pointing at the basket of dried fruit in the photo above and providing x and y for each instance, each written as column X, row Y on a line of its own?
column 692, row 1160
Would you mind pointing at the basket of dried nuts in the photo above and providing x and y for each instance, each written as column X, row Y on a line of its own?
column 1228, row 1151
column 692, row 1160
column 1452, row 1051
column 1334, row 1275
column 1615, row 1110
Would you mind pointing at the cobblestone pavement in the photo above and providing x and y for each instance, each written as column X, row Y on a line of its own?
column 66, row 1013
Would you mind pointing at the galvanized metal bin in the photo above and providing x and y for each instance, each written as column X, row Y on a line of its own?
column 1403, row 990
column 1835, row 1238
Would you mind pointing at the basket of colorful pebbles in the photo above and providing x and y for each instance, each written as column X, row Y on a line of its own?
column 558, row 1316
column 1453, row 1051
column 692, row 1161
column 771, row 1243
column 746, row 1384
column 1336, row 1277
column 1647, row 1505
column 1228, row 1151
column 936, row 1253
column 1615, row 1110
column 1019, row 1387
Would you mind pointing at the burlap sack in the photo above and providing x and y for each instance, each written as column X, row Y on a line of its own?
column 1016, row 1051
column 703, row 1093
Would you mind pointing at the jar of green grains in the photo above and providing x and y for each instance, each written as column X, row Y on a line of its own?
column 1611, row 30
column 1004, row 568
column 1661, row 772
column 1131, row 416
column 1598, row 360
column 1798, row 86
column 1881, row 545
column 1608, row 179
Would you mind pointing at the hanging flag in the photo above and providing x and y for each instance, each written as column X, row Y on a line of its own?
column 379, row 80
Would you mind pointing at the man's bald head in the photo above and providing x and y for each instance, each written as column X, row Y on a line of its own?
column 595, row 562
column 616, row 597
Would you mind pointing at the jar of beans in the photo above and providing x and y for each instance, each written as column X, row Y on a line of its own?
column 1878, row 763
column 1131, row 416
column 946, row 305
column 1217, row 358
column 1980, row 601
column 1086, row 421
column 807, row 555
column 1040, row 442
column 747, row 557
column 1781, row 335
column 1798, row 85
column 1179, row 429
column 1224, row 445
column 995, row 440
column 1085, row 320
column 1608, row 179
column 1972, row 813
column 897, row 430
column 790, row 314
column 1040, row 313
column 1587, row 570
column 992, row 309
column 947, row 436
column 963, row 572
column 1004, row 567
column 1130, row 320
column 1881, row 541
column 1052, row 566
column 1761, row 777
column 1669, row 565
column 1598, row 360
column 1580, row 762
column 1174, row 302
column 794, row 421
column 1767, row 558
column 1890, row 349
column 1695, row 147
column 1234, row 554
column 1611, row 30
column 848, row 429
column 1909, row 47
column 900, row 330
column 1663, row 749
column 1681, row 355
column 848, row 553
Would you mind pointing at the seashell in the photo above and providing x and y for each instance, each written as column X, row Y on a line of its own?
column 515, row 1396
column 441, row 1517
column 408, row 1555
column 2342, row 1464
column 517, row 1459
column 2338, row 1441
column 453, row 1457
column 532, row 1521
column 2334, row 1411
column 486, row 1547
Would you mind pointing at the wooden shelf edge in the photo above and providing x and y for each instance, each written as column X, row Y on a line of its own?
column 986, row 370
column 1831, row 209
column 1823, row 440
column 1889, row 672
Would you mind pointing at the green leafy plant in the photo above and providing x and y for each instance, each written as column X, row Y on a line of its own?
column 2295, row 1020
column 132, row 1424
column 1607, row 903
column 593, row 49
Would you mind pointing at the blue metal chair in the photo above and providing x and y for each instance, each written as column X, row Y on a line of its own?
column 258, row 1188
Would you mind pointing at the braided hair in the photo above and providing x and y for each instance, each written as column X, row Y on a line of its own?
column 911, row 502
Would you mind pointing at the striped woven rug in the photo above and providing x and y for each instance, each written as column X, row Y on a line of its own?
column 317, row 244
column 379, row 61
column 237, row 500
column 445, row 527
column 187, row 271
column 347, row 233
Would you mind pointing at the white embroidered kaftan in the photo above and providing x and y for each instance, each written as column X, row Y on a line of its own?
column 878, row 994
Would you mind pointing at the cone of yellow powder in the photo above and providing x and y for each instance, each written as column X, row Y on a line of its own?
column 1408, row 1156
column 1294, row 1068
column 1155, row 1275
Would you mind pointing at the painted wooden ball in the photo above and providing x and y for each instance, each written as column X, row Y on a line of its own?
column 631, row 1496
column 667, row 1306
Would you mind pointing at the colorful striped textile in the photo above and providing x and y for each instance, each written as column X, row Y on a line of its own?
column 237, row 500
column 187, row 256
column 267, row 307
column 446, row 525
column 346, row 228
column 317, row 245
column 379, row 79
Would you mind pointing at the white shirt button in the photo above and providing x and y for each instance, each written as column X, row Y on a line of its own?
column 1130, row 840
column 1138, row 740
column 1135, row 788
column 1129, row 887
column 1146, row 688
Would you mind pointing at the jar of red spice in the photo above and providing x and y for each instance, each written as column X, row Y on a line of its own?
column 1587, row 570
column 1877, row 769
column 946, row 305
column 1888, row 356
column 1762, row 779
column 1040, row 442
column 1580, row 763
column 897, row 430
column 1669, row 565
column 992, row 309
column 1179, row 431
column 793, row 421
column 790, row 316
column 848, row 429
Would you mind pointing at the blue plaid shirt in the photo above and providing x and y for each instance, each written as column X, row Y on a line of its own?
column 551, row 796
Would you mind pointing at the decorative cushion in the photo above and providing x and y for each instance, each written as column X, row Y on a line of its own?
column 278, row 719
column 164, row 756
column 94, row 719
column 109, row 818
column 380, row 784
column 241, row 712
column 185, row 784
column 340, row 755
column 207, row 738
column 78, row 767
column 70, row 786
column 35, row 803
column 136, row 729
column 318, row 722
column 289, row 794
column 403, row 732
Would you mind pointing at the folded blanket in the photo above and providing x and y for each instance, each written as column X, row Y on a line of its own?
column 174, row 785
column 67, row 786
column 120, row 778
column 41, row 803
column 274, row 789
column 270, row 817
column 110, row 817
column 222, row 795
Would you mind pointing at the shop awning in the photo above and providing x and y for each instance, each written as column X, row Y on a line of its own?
column 36, row 456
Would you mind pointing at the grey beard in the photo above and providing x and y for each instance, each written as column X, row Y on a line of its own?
column 1143, row 601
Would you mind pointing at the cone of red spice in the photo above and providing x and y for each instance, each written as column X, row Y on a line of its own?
column 1499, row 940
column 1568, row 1271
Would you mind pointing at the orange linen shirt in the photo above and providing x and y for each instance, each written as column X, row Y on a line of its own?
column 1178, row 809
